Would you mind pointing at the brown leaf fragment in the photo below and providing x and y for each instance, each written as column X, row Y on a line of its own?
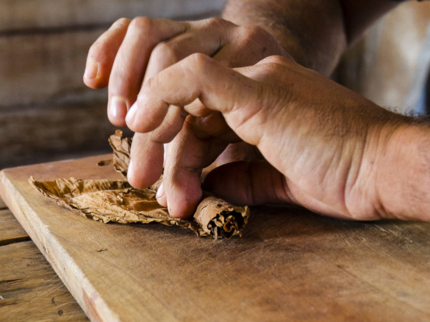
column 121, row 152
column 116, row 201
column 104, row 163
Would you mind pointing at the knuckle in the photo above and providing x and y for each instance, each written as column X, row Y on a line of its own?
column 270, row 69
column 151, row 85
column 157, row 136
column 199, row 61
column 142, row 24
column 274, row 61
column 166, row 51
column 255, row 32
column 215, row 22
column 260, row 40
column 122, row 22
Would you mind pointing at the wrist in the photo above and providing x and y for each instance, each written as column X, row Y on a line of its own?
column 401, row 177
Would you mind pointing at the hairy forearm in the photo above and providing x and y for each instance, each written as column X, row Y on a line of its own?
column 314, row 32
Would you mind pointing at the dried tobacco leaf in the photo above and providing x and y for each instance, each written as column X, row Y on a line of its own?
column 117, row 201
column 121, row 152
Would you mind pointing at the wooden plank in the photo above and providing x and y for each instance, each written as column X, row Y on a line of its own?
column 10, row 230
column 2, row 204
column 46, row 68
column 29, row 14
column 290, row 265
column 30, row 290
column 31, row 135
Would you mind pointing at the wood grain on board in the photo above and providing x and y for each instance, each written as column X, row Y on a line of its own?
column 2, row 204
column 10, row 230
column 30, row 290
column 290, row 265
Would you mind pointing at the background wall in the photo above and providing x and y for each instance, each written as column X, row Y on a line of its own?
column 390, row 64
column 46, row 113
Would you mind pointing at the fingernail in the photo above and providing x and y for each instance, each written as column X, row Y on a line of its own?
column 91, row 70
column 160, row 192
column 131, row 115
column 129, row 170
column 118, row 107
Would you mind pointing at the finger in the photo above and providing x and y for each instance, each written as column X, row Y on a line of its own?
column 238, row 152
column 187, row 155
column 102, row 54
column 218, row 88
column 246, row 46
column 249, row 183
column 241, row 50
column 130, row 63
column 205, row 36
column 144, row 156
column 147, row 150
column 160, row 196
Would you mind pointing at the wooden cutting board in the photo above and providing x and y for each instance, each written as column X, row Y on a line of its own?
column 290, row 265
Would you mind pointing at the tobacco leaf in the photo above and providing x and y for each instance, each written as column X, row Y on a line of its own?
column 116, row 201
column 121, row 152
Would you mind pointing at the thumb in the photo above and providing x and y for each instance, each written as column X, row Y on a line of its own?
column 248, row 183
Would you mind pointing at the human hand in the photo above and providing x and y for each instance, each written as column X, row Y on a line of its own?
column 322, row 142
column 133, row 51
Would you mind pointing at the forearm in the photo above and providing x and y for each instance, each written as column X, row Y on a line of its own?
column 315, row 33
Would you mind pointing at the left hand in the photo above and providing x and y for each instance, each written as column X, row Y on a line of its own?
column 133, row 51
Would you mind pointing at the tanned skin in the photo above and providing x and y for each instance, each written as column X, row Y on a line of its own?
column 315, row 33
column 258, row 77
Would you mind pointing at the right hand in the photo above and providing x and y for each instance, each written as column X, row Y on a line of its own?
column 326, row 146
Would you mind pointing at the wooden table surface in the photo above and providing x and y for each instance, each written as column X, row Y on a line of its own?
column 290, row 265
column 30, row 290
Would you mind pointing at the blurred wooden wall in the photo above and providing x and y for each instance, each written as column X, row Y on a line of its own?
column 390, row 64
column 46, row 112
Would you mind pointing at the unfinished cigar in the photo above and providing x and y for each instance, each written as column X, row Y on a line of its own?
column 117, row 201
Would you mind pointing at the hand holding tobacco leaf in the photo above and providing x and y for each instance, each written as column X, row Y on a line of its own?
column 117, row 201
